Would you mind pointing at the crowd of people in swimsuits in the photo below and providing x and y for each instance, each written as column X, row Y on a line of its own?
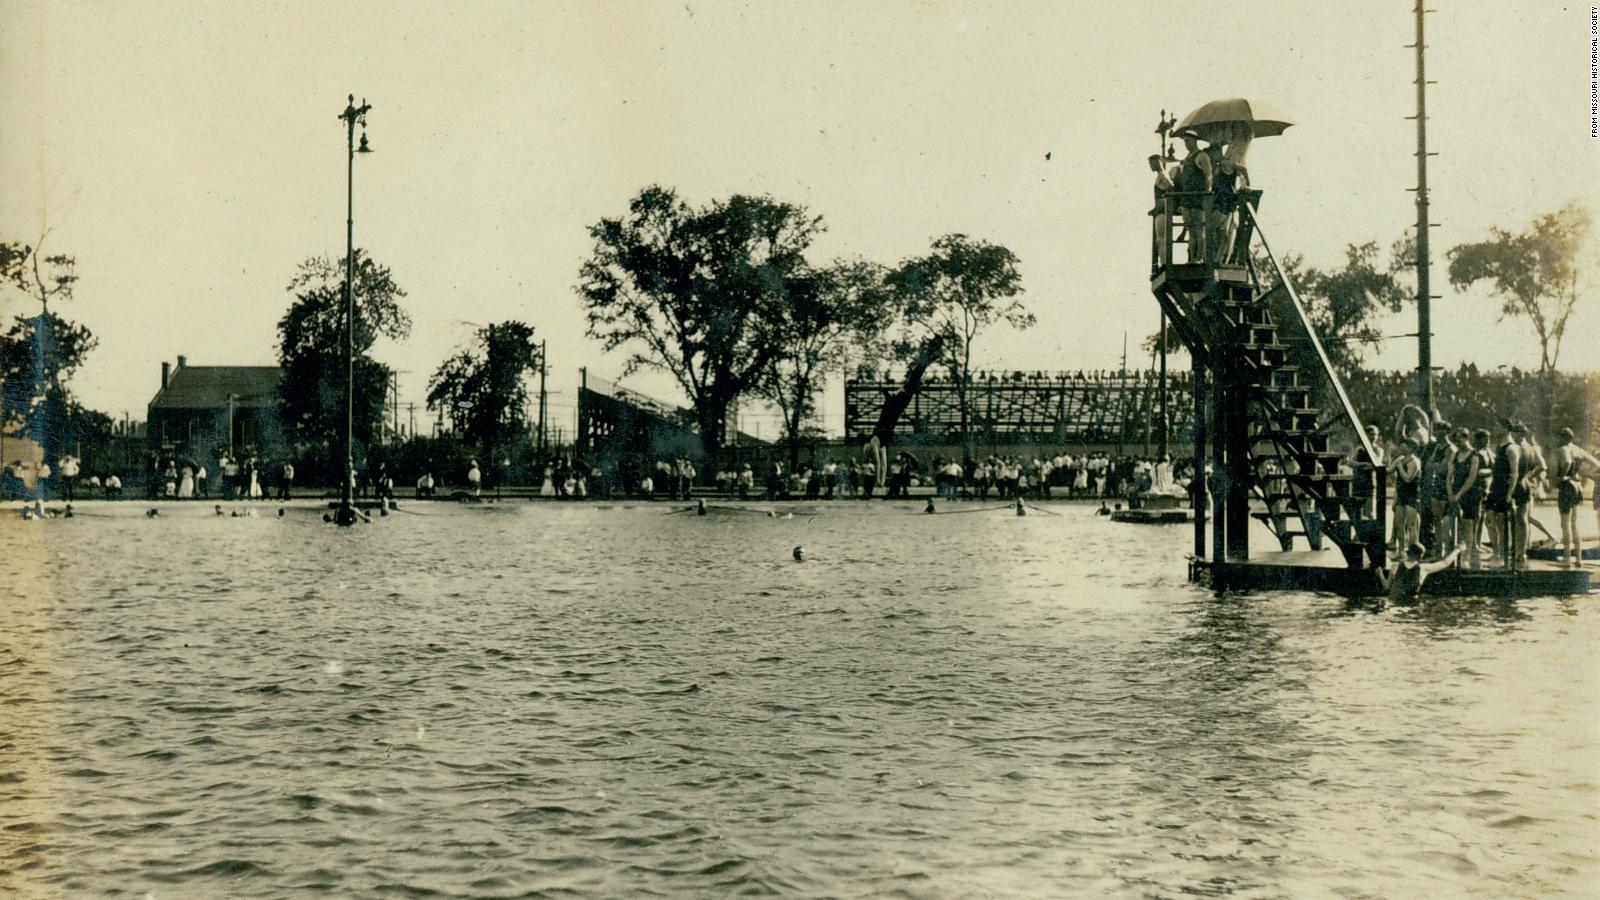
column 1452, row 490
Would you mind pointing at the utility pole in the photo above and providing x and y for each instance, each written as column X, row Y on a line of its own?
column 1161, row 338
column 492, row 444
column 1122, row 395
column 411, row 416
column 1424, row 323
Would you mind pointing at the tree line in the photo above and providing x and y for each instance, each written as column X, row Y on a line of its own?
column 1534, row 275
column 726, row 298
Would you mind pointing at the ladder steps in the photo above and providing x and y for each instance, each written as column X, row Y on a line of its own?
column 1238, row 320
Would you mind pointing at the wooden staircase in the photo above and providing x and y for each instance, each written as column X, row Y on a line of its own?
column 1270, row 452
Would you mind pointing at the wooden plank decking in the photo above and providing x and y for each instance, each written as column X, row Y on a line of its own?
column 1311, row 570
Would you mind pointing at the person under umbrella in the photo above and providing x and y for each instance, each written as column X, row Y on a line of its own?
column 1230, row 125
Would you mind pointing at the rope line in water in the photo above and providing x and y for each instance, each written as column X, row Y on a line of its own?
column 738, row 509
column 957, row 512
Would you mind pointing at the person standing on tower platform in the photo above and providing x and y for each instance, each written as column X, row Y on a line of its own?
column 1165, row 181
column 1196, row 182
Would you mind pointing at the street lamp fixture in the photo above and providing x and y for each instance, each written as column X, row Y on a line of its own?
column 352, row 115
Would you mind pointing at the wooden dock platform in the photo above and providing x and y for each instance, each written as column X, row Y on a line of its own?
column 1312, row 570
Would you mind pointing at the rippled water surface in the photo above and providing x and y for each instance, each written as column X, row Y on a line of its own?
column 541, row 700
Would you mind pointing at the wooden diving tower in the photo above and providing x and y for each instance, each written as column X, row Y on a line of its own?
column 1271, row 453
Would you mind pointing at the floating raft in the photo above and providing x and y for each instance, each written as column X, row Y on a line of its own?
column 1554, row 554
column 1153, row 516
column 1311, row 570
column 362, row 503
column 1155, row 509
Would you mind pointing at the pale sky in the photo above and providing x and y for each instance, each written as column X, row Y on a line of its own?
column 189, row 155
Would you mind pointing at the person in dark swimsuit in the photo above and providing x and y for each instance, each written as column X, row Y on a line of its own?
column 1568, row 469
column 1500, row 502
column 1406, row 470
column 1530, row 465
column 1436, row 522
column 1404, row 579
column 1465, row 495
column 1486, row 522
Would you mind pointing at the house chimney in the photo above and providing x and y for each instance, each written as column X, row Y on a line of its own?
column 166, row 373
column 182, row 360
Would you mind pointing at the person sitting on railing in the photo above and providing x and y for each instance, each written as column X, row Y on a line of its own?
column 1412, row 424
column 1237, row 137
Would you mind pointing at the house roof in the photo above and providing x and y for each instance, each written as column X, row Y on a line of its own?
column 208, row 387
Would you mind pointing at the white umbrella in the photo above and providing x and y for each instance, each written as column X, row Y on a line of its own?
column 1216, row 119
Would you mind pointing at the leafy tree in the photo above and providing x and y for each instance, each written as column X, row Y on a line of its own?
column 40, row 352
column 1534, row 273
column 1152, row 341
column 311, row 349
column 1346, row 305
column 946, row 298
column 699, row 293
column 831, row 312
column 484, row 389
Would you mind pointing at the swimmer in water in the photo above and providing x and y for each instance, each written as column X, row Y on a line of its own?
column 799, row 554
column 1404, row 580
column 218, row 508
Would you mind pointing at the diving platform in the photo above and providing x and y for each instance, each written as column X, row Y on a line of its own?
column 1311, row 570
column 1279, row 450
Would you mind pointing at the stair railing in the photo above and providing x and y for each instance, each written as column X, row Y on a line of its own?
column 1305, row 322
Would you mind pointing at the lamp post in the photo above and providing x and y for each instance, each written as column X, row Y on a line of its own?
column 346, row 514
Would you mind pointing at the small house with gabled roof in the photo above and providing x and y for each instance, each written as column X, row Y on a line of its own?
column 202, row 411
